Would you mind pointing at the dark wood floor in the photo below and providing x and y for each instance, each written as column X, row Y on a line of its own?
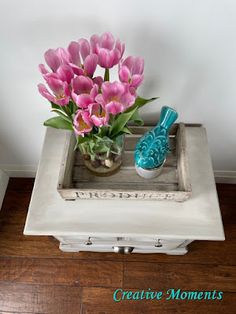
column 35, row 277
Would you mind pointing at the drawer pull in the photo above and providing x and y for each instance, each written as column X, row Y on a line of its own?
column 158, row 244
column 123, row 249
column 88, row 242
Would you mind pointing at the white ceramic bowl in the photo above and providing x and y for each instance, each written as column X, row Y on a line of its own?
column 149, row 173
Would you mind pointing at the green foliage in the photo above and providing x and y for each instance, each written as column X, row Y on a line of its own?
column 97, row 147
column 101, row 140
column 119, row 124
column 140, row 102
column 106, row 75
column 136, row 118
column 62, row 114
column 58, row 123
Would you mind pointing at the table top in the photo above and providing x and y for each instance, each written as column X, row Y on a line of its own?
column 198, row 218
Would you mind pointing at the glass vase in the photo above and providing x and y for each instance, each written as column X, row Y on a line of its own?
column 103, row 156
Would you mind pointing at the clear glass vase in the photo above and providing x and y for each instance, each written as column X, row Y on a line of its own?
column 103, row 156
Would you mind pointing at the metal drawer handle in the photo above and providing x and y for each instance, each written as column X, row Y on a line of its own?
column 123, row 249
column 158, row 243
column 88, row 242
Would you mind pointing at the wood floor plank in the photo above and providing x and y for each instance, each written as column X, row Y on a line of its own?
column 20, row 184
column 22, row 298
column 200, row 252
column 184, row 276
column 100, row 300
column 61, row 272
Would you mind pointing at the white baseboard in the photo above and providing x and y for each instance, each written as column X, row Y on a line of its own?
column 225, row 176
column 29, row 171
column 3, row 185
column 19, row 171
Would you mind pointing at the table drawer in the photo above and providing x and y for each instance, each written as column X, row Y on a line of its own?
column 112, row 244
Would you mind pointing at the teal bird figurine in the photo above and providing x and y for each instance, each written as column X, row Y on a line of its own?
column 152, row 148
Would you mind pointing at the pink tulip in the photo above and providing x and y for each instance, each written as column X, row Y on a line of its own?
column 43, row 69
column 115, row 97
column 64, row 73
column 56, row 57
column 84, row 91
column 82, row 123
column 98, row 115
column 109, row 52
column 81, row 50
column 60, row 90
column 131, row 71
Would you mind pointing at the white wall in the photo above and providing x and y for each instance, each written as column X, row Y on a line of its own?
column 189, row 49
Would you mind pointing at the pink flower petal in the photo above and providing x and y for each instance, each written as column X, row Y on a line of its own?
column 114, row 107
column 124, row 74
column 73, row 50
column 84, row 48
column 100, row 99
column 55, row 85
column 82, row 123
column 94, row 42
column 45, row 93
column 63, row 55
column 98, row 80
column 116, row 56
column 120, row 47
column 98, row 115
column 107, row 41
column 127, row 99
column 112, row 90
column 82, row 84
column 59, row 101
column 94, row 108
column 105, row 58
column 52, row 59
column 65, row 73
column 108, row 53
column 90, row 64
column 138, row 66
column 136, row 80
column 83, row 100
column 94, row 91
column 77, row 70
column 129, row 61
column 62, row 101
column 43, row 69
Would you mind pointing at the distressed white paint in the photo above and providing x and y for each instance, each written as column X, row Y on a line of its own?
column 189, row 49
column 197, row 218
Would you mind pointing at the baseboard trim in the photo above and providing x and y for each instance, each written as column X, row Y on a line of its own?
column 4, row 178
column 29, row 171
column 225, row 176
column 19, row 171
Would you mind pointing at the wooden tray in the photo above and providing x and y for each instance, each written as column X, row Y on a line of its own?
column 75, row 181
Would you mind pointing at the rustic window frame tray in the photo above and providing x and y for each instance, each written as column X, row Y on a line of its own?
column 177, row 162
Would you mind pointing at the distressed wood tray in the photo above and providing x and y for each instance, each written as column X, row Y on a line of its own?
column 75, row 181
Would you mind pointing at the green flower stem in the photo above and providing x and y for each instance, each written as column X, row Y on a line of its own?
column 106, row 75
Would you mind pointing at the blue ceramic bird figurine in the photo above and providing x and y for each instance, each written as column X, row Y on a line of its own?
column 152, row 148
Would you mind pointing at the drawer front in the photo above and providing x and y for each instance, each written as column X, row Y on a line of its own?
column 111, row 244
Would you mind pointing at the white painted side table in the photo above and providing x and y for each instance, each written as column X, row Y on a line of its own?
column 115, row 225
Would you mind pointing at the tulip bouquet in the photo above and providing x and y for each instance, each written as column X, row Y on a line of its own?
column 96, row 109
